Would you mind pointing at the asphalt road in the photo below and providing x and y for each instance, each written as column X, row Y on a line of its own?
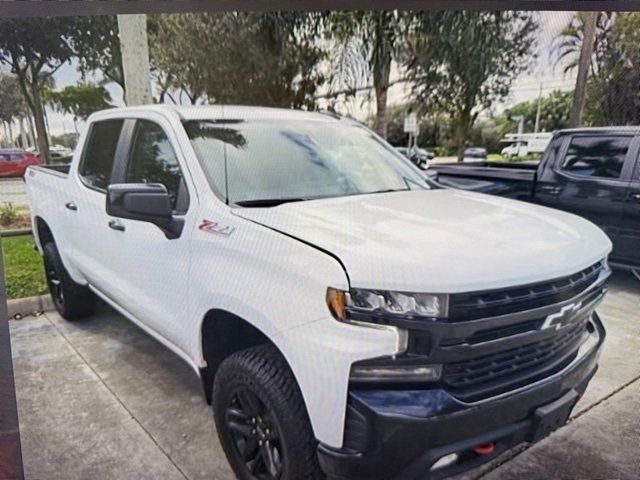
column 101, row 399
column 13, row 190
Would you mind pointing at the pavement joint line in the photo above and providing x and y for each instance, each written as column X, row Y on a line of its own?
column 115, row 395
column 523, row 448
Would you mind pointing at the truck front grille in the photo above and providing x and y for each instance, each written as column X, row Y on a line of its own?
column 497, row 341
column 491, row 375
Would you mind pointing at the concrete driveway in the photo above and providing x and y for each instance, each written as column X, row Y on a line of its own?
column 100, row 399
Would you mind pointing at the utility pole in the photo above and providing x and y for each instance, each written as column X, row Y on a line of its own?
column 132, row 30
column 586, row 53
column 537, row 126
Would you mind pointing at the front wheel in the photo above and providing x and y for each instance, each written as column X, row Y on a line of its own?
column 261, row 418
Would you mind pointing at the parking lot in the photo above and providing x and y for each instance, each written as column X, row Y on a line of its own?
column 101, row 399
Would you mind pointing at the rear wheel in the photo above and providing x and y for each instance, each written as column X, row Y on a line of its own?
column 261, row 418
column 71, row 299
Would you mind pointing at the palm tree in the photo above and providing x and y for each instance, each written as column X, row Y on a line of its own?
column 566, row 47
column 367, row 43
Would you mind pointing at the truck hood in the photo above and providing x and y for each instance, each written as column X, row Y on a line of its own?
column 440, row 241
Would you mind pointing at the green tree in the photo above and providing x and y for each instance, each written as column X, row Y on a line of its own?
column 613, row 96
column 80, row 100
column 12, row 104
column 34, row 48
column 368, row 43
column 555, row 109
column 460, row 63
column 266, row 59
column 96, row 46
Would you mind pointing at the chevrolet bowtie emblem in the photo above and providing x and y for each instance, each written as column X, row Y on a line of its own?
column 562, row 318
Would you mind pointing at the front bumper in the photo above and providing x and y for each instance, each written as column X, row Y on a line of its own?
column 401, row 435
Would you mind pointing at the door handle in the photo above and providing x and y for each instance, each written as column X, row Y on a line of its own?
column 551, row 189
column 71, row 206
column 116, row 225
column 635, row 197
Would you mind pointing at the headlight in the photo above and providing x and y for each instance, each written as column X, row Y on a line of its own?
column 360, row 300
column 395, row 373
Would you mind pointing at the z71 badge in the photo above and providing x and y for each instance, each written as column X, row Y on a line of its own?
column 215, row 227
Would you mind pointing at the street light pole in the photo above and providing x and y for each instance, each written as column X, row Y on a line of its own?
column 537, row 126
column 132, row 31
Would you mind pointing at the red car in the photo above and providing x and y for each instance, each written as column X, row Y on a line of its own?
column 14, row 162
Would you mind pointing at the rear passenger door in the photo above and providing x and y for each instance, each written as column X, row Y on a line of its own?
column 591, row 178
column 84, row 205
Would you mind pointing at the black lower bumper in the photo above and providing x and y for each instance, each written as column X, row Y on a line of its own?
column 406, row 435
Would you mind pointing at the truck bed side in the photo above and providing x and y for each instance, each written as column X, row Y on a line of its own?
column 48, row 191
column 512, row 180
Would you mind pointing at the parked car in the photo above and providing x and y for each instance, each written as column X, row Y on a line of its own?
column 418, row 156
column 345, row 314
column 592, row 172
column 60, row 153
column 14, row 162
column 475, row 153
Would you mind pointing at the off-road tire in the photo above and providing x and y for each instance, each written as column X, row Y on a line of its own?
column 264, row 371
column 72, row 300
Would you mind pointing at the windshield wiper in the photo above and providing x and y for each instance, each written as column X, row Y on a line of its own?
column 267, row 202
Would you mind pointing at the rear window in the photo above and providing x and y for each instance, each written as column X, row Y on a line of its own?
column 100, row 152
column 596, row 156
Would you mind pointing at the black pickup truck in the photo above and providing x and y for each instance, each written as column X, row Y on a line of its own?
column 592, row 172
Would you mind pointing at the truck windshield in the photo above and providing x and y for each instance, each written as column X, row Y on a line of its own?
column 265, row 163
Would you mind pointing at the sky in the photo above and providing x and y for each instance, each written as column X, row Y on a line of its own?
column 525, row 87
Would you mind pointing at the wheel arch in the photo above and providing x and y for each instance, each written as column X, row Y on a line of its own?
column 223, row 333
column 42, row 232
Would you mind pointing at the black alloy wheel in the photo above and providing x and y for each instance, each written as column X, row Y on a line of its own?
column 256, row 434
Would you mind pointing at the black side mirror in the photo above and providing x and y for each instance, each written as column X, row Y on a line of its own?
column 145, row 202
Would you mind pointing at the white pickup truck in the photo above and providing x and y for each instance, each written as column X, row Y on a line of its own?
column 347, row 318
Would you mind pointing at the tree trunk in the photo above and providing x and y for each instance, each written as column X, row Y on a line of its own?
column 11, row 142
column 463, row 125
column 381, row 111
column 584, row 64
column 32, row 132
column 41, row 129
column 23, row 134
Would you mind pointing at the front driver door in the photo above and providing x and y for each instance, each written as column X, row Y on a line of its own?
column 153, row 270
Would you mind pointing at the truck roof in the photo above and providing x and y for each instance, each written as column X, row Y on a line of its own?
column 227, row 112
column 603, row 130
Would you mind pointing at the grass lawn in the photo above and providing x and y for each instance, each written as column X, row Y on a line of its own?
column 23, row 270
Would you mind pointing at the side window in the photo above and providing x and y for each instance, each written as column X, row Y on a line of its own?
column 153, row 160
column 601, row 157
column 552, row 152
column 99, row 153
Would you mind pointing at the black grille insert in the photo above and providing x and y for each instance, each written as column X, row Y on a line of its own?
column 475, row 305
column 490, row 375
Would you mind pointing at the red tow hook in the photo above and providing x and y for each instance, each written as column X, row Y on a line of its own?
column 486, row 449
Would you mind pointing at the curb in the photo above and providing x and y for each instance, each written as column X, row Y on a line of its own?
column 15, row 233
column 23, row 307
